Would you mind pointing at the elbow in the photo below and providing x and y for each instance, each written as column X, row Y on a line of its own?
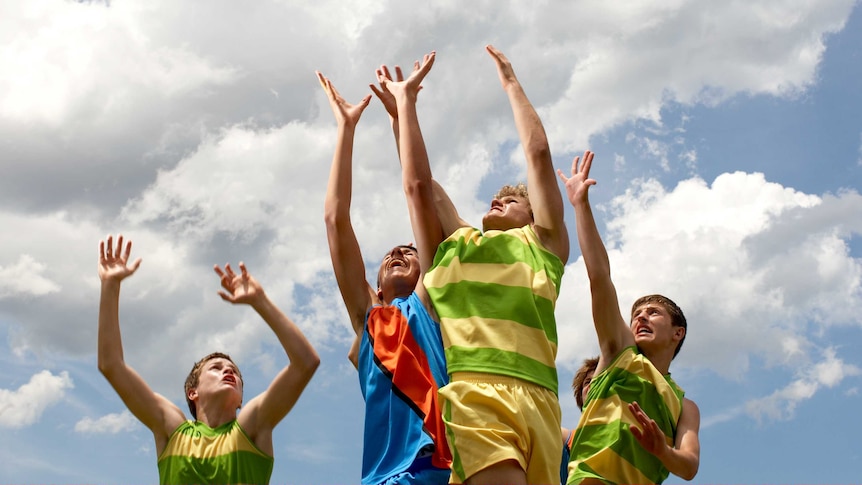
column 310, row 365
column 538, row 148
column 417, row 187
column 690, row 471
column 108, row 368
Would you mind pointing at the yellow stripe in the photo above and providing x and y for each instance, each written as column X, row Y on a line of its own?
column 514, row 274
column 609, row 410
column 507, row 335
column 637, row 364
column 186, row 444
column 607, row 463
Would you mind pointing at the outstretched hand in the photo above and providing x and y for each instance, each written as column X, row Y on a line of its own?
column 579, row 183
column 345, row 113
column 383, row 93
column 239, row 288
column 400, row 86
column 114, row 263
column 649, row 435
column 504, row 67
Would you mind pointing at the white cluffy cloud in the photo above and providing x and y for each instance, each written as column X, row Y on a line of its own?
column 25, row 405
column 760, row 270
column 108, row 424
column 25, row 278
column 781, row 404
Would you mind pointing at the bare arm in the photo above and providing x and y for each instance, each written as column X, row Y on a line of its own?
column 353, row 353
column 448, row 215
column 344, row 250
column 416, row 169
column 388, row 100
column 156, row 412
column 265, row 411
column 612, row 331
column 683, row 458
column 545, row 197
column 450, row 220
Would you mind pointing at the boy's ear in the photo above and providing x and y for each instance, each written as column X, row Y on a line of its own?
column 679, row 333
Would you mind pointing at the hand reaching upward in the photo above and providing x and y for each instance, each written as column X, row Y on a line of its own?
column 579, row 183
column 114, row 263
column 345, row 113
column 240, row 288
column 410, row 86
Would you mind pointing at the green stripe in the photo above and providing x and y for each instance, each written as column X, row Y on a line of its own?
column 457, row 466
column 632, row 387
column 466, row 299
column 252, row 468
column 501, row 248
column 496, row 361
column 590, row 440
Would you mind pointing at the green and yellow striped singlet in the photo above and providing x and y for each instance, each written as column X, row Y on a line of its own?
column 603, row 446
column 197, row 453
column 495, row 295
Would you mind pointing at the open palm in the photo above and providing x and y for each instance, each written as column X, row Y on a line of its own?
column 114, row 262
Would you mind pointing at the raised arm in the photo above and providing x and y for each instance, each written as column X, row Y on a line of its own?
column 344, row 250
column 612, row 331
column 449, row 218
column 388, row 100
column 156, row 412
column 416, row 170
column 683, row 458
column 545, row 200
column 266, row 410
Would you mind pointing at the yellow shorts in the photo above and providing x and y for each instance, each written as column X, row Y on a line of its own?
column 491, row 418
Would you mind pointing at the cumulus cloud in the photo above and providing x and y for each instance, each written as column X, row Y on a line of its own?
column 781, row 404
column 108, row 424
column 24, row 406
column 25, row 278
column 213, row 144
column 754, row 265
column 635, row 60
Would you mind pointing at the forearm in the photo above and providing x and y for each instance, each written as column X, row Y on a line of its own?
column 592, row 247
column 396, row 132
column 339, row 190
column 110, row 346
column 681, row 463
column 530, row 129
column 411, row 144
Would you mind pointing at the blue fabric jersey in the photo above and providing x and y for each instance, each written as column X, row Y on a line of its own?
column 401, row 367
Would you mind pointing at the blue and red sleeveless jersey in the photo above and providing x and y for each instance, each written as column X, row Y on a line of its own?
column 401, row 367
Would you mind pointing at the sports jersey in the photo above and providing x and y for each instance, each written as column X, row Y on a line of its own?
column 401, row 366
column 604, row 446
column 495, row 294
column 196, row 453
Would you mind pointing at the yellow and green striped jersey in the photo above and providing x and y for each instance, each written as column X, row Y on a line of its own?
column 495, row 295
column 197, row 453
column 604, row 446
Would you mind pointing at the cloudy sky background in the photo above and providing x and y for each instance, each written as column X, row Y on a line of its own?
column 729, row 166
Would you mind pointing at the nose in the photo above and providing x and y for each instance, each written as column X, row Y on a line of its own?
column 496, row 203
column 228, row 370
column 396, row 251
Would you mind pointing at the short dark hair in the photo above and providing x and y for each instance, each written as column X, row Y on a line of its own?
column 195, row 374
column 677, row 318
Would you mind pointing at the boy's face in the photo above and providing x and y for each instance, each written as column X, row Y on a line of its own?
column 508, row 212
column 218, row 376
column 652, row 327
column 399, row 271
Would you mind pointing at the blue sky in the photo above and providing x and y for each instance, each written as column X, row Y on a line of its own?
column 729, row 164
